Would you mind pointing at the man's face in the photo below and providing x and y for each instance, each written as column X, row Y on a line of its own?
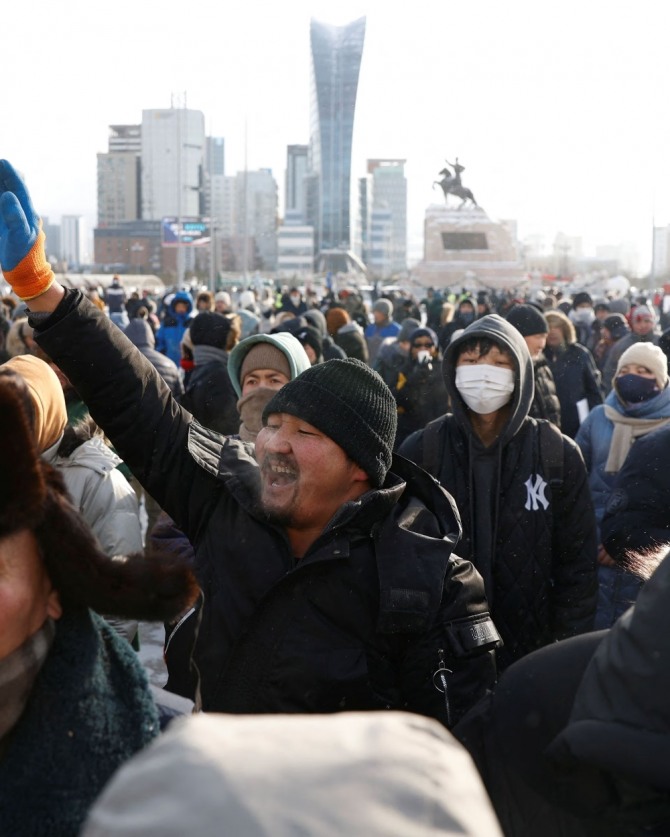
column 269, row 378
column 555, row 336
column 535, row 343
column 181, row 307
column 494, row 357
column 26, row 595
column 643, row 325
column 305, row 476
column 379, row 317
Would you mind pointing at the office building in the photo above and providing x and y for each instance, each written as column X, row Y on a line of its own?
column 389, row 210
column 256, row 215
column 172, row 158
column 336, row 59
column 118, row 175
column 295, row 187
column 73, row 240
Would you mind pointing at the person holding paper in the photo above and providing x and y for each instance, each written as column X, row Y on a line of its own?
column 575, row 373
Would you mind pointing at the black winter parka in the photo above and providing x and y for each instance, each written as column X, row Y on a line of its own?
column 363, row 621
column 541, row 580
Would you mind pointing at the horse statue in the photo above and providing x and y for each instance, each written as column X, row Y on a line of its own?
column 451, row 184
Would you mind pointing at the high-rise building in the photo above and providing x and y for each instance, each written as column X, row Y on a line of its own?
column 296, row 171
column 73, row 240
column 173, row 157
column 389, row 209
column 256, row 214
column 119, row 176
column 336, row 61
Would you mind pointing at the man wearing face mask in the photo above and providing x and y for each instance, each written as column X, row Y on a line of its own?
column 293, row 303
column 521, row 488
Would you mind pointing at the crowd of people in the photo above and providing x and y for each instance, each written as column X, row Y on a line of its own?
column 430, row 530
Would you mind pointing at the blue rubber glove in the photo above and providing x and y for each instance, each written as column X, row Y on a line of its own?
column 19, row 223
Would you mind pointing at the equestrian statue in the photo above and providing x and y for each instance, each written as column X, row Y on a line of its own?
column 451, row 184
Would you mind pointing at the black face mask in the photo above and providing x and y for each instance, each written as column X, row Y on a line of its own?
column 635, row 389
column 466, row 317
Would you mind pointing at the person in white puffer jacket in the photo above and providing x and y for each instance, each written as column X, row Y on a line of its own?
column 100, row 492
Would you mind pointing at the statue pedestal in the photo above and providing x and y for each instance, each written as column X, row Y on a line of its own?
column 465, row 248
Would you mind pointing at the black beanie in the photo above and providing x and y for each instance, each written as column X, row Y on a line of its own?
column 527, row 320
column 582, row 298
column 210, row 329
column 351, row 404
column 616, row 325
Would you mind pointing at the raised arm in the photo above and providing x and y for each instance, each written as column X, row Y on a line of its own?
column 123, row 391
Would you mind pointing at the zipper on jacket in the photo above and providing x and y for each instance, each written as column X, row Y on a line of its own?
column 440, row 683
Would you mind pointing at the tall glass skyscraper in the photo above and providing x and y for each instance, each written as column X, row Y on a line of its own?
column 336, row 61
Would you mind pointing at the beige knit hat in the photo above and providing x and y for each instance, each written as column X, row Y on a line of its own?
column 646, row 354
column 50, row 412
column 264, row 356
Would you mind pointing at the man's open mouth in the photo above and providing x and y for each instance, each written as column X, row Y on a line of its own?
column 280, row 475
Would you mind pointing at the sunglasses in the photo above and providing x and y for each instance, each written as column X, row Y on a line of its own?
column 423, row 345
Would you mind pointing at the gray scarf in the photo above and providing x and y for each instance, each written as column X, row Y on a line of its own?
column 17, row 675
column 206, row 354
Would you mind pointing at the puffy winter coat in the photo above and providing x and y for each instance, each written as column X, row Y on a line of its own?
column 171, row 331
column 545, row 403
column 538, row 554
column 140, row 334
column 576, row 378
column 364, row 620
column 637, row 512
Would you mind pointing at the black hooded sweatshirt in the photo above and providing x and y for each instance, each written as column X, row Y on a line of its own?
column 534, row 544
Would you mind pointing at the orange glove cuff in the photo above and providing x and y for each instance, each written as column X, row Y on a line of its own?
column 33, row 275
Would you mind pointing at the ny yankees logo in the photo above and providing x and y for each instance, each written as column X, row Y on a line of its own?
column 536, row 493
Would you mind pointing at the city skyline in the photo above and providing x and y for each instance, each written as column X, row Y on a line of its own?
column 558, row 117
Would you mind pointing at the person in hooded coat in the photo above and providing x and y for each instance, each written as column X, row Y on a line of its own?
column 74, row 699
column 176, row 320
column 520, row 486
column 140, row 334
column 575, row 374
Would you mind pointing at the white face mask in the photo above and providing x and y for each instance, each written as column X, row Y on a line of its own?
column 483, row 387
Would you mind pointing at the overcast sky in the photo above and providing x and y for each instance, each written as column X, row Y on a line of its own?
column 558, row 110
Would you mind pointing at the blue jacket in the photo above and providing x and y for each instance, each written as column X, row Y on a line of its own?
column 595, row 437
column 171, row 332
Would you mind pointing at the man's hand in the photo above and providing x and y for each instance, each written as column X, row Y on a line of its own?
column 22, row 257
column 19, row 223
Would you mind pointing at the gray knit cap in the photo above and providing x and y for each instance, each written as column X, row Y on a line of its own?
column 351, row 404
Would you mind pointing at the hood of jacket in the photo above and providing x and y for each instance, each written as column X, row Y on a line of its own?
column 495, row 328
column 284, row 341
column 140, row 333
column 181, row 296
column 374, row 773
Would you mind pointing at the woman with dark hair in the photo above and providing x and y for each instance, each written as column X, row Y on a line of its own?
column 74, row 699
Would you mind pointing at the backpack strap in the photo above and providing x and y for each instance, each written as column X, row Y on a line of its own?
column 431, row 459
column 551, row 452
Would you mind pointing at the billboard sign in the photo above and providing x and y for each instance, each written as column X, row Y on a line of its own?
column 187, row 232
